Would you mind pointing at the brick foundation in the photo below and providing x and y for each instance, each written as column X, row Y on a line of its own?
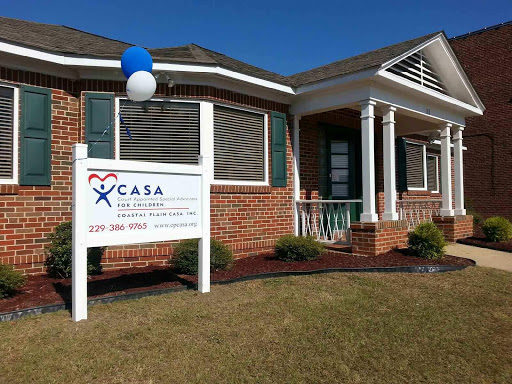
column 371, row 239
column 455, row 227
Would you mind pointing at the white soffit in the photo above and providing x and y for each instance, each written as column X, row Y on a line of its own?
column 435, row 64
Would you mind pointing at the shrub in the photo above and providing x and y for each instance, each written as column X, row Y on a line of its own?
column 298, row 248
column 470, row 210
column 186, row 254
column 59, row 253
column 427, row 241
column 10, row 280
column 497, row 229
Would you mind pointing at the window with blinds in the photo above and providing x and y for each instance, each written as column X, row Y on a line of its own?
column 163, row 132
column 432, row 173
column 238, row 145
column 6, row 132
column 415, row 165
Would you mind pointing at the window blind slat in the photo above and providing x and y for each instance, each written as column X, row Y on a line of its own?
column 6, row 132
column 161, row 132
column 238, row 145
column 432, row 169
column 415, row 167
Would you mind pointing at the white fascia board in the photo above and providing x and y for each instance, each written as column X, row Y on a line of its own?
column 453, row 59
column 109, row 63
column 446, row 99
column 412, row 105
column 325, row 101
column 336, row 81
column 458, row 67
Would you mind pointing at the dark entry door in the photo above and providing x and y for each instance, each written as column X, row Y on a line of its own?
column 344, row 159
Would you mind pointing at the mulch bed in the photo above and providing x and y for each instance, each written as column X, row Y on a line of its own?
column 482, row 242
column 42, row 290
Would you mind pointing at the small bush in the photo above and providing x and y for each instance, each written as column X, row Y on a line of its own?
column 470, row 210
column 298, row 248
column 427, row 241
column 186, row 254
column 10, row 280
column 497, row 229
column 59, row 253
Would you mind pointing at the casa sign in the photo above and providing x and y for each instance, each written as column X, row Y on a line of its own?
column 125, row 202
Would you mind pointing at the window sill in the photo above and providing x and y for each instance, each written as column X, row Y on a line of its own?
column 9, row 189
column 241, row 189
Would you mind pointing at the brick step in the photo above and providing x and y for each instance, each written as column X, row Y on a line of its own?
column 344, row 248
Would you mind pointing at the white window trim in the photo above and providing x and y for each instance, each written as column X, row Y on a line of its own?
column 425, row 186
column 265, row 182
column 15, row 133
column 206, row 146
column 437, row 172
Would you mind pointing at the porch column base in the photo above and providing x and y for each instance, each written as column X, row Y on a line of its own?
column 446, row 212
column 369, row 217
column 460, row 212
column 454, row 227
column 372, row 239
column 387, row 216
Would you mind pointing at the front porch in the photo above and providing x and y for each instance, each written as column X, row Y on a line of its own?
column 353, row 188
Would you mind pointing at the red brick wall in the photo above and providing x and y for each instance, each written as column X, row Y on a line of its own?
column 249, row 219
column 372, row 239
column 487, row 60
column 455, row 227
column 29, row 214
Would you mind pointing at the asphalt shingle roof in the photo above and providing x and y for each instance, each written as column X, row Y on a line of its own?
column 65, row 40
column 358, row 63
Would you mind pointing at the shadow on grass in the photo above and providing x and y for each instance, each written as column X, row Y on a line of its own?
column 101, row 287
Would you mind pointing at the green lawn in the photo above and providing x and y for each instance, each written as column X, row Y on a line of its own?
column 334, row 328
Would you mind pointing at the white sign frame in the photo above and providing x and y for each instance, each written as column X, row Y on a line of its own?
column 81, row 241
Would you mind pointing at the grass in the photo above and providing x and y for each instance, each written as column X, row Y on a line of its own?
column 351, row 328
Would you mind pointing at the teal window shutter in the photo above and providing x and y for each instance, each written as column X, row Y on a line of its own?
column 402, row 164
column 278, row 125
column 35, row 156
column 99, row 115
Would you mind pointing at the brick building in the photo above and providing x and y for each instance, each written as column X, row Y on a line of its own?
column 349, row 152
column 486, row 56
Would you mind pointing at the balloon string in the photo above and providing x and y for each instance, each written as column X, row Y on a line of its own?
column 106, row 129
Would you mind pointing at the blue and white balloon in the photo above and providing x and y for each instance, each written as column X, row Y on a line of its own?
column 136, row 59
column 141, row 86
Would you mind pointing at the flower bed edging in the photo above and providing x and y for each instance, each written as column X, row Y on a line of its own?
column 14, row 315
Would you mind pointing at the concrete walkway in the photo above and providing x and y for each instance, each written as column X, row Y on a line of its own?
column 484, row 257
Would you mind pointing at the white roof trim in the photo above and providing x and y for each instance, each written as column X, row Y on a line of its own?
column 74, row 61
column 453, row 59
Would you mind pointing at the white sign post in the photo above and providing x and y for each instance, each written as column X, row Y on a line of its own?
column 119, row 202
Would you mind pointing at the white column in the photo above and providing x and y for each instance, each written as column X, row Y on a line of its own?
column 368, row 160
column 388, row 130
column 79, row 235
column 296, row 173
column 459, row 171
column 446, row 170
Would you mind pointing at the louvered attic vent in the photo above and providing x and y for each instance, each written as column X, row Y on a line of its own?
column 417, row 68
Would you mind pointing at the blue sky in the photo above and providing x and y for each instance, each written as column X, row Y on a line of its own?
column 281, row 36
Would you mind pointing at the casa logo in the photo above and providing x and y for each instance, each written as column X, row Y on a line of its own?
column 103, row 186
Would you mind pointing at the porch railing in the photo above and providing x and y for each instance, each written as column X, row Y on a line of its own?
column 418, row 211
column 327, row 220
